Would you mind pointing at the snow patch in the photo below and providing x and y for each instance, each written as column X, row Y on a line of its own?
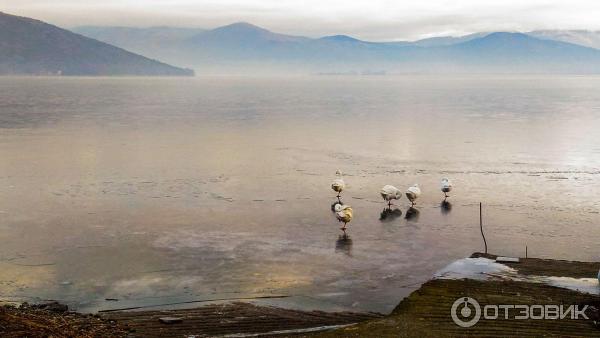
column 585, row 285
column 475, row 268
column 486, row 269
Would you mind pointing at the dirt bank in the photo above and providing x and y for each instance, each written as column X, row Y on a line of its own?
column 54, row 320
column 426, row 312
column 240, row 319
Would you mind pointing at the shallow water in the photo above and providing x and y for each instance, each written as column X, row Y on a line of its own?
column 155, row 191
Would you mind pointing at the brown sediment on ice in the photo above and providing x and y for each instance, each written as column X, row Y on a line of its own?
column 233, row 319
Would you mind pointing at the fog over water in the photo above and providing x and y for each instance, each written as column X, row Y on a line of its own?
column 155, row 191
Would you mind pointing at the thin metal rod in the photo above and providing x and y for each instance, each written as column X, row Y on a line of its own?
column 525, row 251
column 481, row 227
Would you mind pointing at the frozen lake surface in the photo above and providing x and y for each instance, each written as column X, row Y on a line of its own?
column 156, row 191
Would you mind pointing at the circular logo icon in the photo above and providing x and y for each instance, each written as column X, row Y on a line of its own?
column 467, row 305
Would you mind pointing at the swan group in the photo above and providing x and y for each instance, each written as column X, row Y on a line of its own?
column 344, row 213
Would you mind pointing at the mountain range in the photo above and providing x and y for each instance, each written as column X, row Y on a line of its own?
column 29, row 46
column 243, row 47
column 32, row 47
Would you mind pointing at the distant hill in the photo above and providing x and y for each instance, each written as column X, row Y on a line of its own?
column 578, row 37
column 446, row 40
column 342, row 39
column 241, row 42
column 253, row 46
column 29, row 46
column 246, row 48
column 241, row 32
column 515, row 53
column 138, row 40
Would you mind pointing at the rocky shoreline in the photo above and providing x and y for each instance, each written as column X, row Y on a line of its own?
column 55, row 320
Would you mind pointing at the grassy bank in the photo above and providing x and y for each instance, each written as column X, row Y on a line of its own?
column 426, row 312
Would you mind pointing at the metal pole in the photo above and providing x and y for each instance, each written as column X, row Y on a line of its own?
column 481, row 227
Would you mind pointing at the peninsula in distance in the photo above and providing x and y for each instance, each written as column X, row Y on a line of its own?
column 32, row 47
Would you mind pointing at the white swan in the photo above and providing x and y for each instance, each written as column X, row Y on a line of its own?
column 446, row 186
column 389, row 193
column 413, row 193
column 338, row 185
column 343, row 213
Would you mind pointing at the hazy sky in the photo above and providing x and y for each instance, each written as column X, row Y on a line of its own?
column 366, row 19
